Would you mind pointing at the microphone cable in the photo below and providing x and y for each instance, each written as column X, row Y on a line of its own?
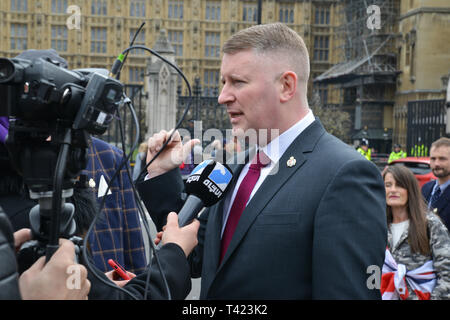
column 144, row 170
column 117, row 73
column 118, row 65
column 126, row 158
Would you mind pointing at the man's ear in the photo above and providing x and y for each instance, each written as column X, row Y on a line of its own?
column 288, row 85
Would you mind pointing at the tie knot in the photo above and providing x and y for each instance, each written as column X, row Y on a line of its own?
column 259, row 161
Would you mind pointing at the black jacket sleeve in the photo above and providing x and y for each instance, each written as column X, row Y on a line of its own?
column 175, row 267
column 170, row 196
column 9, row 283
column 164, row 194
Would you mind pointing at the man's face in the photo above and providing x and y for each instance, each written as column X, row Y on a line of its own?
column 440, row 161
column 250, row 91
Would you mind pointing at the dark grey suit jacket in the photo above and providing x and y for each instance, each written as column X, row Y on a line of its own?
column 311, row 231
column 443, row 203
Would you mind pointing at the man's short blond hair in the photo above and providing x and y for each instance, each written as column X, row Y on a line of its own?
column 274, row 38
column 442, row 142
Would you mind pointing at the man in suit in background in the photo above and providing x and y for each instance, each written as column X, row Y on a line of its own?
column 305, row 222
column 437, row 193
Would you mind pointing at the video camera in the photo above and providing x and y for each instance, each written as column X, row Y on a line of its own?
column 38, row 90
column 52, row 112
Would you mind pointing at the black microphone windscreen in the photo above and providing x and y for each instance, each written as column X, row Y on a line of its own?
column 209, row 181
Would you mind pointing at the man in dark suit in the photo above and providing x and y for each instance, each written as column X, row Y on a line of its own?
column 314, row 220
column 437, row 193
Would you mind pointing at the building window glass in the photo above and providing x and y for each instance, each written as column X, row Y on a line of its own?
column 19, row 5
column 407, row 51
column 136, row 74
column 322, row 15
column 212, row 11
column 98, row 40
column 175, row 10
column 250, row 12
column 176, row 40
column 59, row 38
column 98, row 7
column 212, row 44
column 137, row 8
column 19, row 36
column 210, row 83
column 321, row 48
column 59, row 6
column 286, row 14
column 323, row 93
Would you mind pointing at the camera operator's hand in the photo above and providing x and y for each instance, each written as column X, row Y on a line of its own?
column 61, row 278
column 114, row 277
column 172, row 156
column 185, row 237
column 20, row 237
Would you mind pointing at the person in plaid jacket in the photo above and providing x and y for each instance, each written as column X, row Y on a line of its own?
column 118, row 233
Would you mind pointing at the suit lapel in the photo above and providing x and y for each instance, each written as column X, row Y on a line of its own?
column 427, row 191
column 302, row 144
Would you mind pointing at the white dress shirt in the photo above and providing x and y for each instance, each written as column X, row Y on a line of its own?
column 274, row 150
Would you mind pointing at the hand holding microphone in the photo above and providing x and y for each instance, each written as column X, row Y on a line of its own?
column 185, row 237
column 206, row 185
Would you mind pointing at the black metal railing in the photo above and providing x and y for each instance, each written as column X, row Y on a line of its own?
column 426, row 123
column 205, row 109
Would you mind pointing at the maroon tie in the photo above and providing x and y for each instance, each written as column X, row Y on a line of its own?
column 241, row 199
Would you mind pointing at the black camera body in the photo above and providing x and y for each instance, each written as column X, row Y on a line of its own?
column 32, row 250
column 38, row 90
column 100, row 102
column 43, row 100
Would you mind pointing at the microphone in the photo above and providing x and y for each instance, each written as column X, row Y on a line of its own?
column 206, row 185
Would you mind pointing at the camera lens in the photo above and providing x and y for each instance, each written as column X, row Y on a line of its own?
column 6, row 70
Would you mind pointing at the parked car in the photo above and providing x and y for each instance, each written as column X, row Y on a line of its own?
column 420, row 166
column 380, row 159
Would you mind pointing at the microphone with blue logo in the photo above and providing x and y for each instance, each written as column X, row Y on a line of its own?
column 206, row 185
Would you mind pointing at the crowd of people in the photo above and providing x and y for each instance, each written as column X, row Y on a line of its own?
column 304, row 217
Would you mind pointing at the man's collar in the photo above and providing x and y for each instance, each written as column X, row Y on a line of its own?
column 442, row 186
column 276, row 148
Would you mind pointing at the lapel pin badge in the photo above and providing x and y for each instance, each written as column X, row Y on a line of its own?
column 435, row 210
column 92, row 183
column 291, row 162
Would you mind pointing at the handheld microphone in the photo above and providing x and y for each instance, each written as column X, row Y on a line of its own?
column 206, row 185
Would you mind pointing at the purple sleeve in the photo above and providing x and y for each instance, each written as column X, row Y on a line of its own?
column 4, row 125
